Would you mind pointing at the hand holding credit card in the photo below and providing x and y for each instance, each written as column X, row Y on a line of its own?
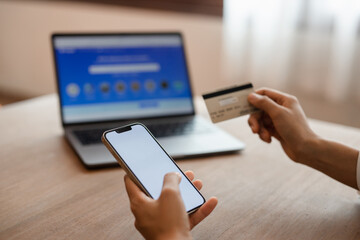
column 229, row 103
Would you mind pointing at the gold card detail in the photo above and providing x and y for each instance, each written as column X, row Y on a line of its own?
column 229, row 103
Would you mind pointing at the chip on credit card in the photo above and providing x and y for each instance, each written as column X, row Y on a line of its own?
column 229, row 103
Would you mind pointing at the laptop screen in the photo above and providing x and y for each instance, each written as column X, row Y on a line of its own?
column 115, row 77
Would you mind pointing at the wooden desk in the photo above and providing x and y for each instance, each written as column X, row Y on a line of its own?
column 46, row 193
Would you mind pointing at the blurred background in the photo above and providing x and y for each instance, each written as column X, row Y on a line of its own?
column 309, row 48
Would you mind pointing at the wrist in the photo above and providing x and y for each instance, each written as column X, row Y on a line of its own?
column 310, row 149
column 175, row 235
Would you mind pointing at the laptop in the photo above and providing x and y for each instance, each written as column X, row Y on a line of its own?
column 109, row 80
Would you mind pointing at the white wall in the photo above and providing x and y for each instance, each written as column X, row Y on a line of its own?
column 26, row 65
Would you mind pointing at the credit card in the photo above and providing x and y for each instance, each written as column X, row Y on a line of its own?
column 229, row 103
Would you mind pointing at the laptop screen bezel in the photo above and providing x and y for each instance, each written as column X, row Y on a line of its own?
column 55, row 35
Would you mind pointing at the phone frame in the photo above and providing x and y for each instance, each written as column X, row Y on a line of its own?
column 129, row 172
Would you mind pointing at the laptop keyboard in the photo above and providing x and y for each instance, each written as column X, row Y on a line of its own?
column 93, row 136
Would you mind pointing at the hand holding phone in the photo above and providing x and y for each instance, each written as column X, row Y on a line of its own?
column 166, row 218
column 146, row 163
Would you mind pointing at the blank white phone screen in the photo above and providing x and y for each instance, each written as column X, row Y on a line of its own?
column 149, row 163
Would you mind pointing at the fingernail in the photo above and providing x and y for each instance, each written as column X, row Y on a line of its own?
column 253, row 96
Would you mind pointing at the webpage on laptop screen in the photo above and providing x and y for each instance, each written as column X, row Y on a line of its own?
column 121, row 77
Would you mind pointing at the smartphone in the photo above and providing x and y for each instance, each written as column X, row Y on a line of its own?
column 146, row 162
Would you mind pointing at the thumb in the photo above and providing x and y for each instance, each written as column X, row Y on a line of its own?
column 264, row 103
column 172, row 180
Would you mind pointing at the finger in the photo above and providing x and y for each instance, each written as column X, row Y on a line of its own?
column 267, row 122
column 190, row 174
column 253, row 121
column 198, row 184
column 275, row 95
column 172, row 180
column 133, row 191
column 273, row 132
column 264, row 103
column 203, row 211
column 265, row 135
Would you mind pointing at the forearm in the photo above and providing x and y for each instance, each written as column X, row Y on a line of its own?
column 333, row 159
